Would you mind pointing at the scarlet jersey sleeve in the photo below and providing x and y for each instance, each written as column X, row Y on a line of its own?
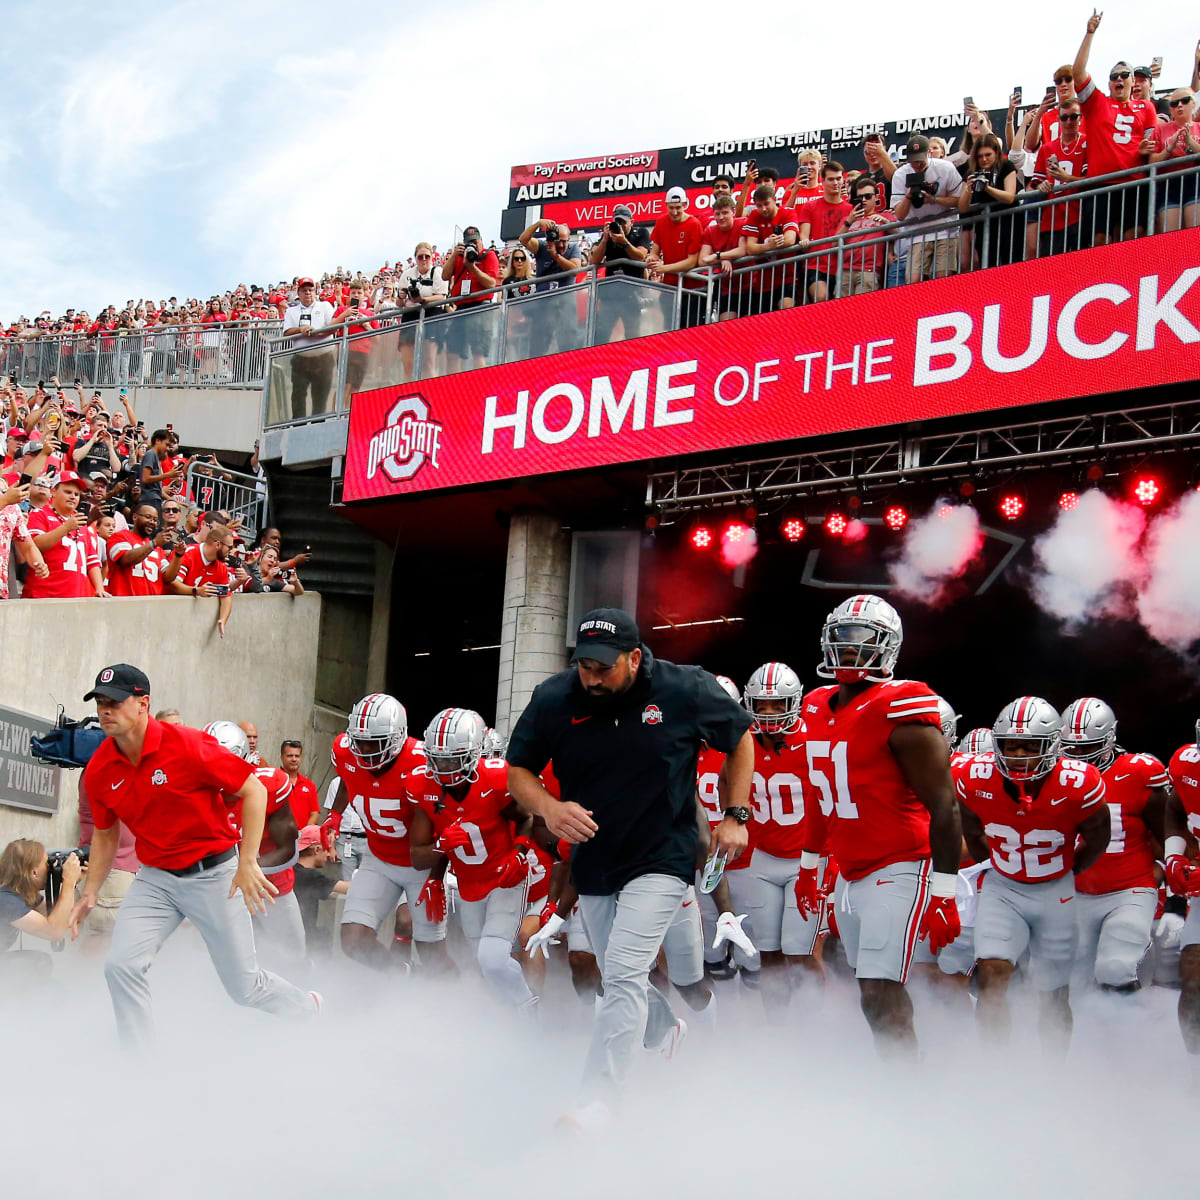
column 1128, row 860
column 381, row 798
column 120, row 542
column 1184, row 771
column 911, row 703
column 279, row 787
column 214, row 765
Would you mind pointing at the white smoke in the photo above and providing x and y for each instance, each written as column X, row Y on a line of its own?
column 938, row 548
column 739, row 544
column 1089, row 559
column 1168, row 604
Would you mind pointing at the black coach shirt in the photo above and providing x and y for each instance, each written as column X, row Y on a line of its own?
column 632, row 762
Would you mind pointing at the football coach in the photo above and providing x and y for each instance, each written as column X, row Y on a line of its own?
column 623, row 731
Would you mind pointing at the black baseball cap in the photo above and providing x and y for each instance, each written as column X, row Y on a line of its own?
column 1144, row 72
column 605, row 634
column 918, row 147
column 119, row 682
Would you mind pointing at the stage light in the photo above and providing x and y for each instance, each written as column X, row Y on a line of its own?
column 1146, row 490
column 966, row 489
column 1095, row 473
column 836, row 524
column 736, row 531
column 1068, row 500
column 1011, row 506
column 945, row 511
column 702, row 538
column 854, row 502
column 792, row 529
column 896, row 517
column 651, row 522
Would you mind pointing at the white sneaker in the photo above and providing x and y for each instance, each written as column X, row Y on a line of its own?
column 669, row 1046
column 318, row 1001
column 593, row 1117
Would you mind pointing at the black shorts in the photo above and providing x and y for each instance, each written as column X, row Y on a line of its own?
column 470, row 336
column 1127, row 209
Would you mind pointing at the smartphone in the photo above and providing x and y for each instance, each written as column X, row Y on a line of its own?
column 968, row 102
column 354, row 302
column 1017, row 93
column 1156, row 63
column 1051, row 91
column 170, row 427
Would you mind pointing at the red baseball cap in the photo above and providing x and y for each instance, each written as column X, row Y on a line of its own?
column 18, row 435
column 69, row 477
column 305, row 282
column 310, row 836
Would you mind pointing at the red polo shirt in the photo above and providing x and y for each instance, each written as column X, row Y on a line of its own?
column 173, row 800
column 304, row 799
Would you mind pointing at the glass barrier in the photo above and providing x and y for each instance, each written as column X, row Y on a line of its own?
column 303, row 384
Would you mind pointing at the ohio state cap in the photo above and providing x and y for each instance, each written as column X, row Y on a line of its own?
column 918, row 147
column 69, row 477
column 305, row 282
column 119, row 682
column 605, row 634
column 310, row 836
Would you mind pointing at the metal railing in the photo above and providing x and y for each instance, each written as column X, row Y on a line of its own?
column 593, row 306
column 216, row 488
column 218, row 355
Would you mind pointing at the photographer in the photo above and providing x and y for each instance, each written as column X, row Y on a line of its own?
column 991, row 189
column 99, row 452
column 350, row 317
column 24, row 872
column 620, row 240
column 421, row 285
column 312, row 369
column 554, row 322
column 274, row 578
column 923, row 190
column 470, row 270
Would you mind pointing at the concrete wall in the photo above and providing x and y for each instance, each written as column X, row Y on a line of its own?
column 264, row 670
column 216, row 418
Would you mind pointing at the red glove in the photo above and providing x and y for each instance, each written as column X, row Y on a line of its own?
column 433, row 897
column 549, row 911
column 940, row 922
column 454, row 837
column 1162, row 902
column 330, row 828
column 1183, row 877
column 808, row 890
column 512, row 870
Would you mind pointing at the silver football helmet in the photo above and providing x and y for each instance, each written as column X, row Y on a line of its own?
column 978, row 741
column 1026, row 735
column 230, row 736
column 868, row 627
column 731, row 689
column 377, row 730
column 454, row 746
column 773, row 681
column 493, row 744
column 1089, row 731
column 949, row 719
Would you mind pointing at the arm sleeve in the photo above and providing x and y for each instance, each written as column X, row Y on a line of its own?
column 528, row 746
column 102, row 817
column 720, row 721
column 214, row 765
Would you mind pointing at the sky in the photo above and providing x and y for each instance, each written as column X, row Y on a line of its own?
column 154, row 151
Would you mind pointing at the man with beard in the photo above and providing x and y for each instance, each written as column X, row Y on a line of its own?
column 623, row 731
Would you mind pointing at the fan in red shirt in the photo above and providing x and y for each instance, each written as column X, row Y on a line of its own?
column 1042, row 820
column 351, row 315
column 675, row 243
column 884, row 811
column 1117, row 898
column 1116, row 127
column 58, row 532
column 373, row 759
column 770, row 231
column 133, row 567
column 204, row 572
column 822, row 218
column 167, row 785
column 1061, row 163
column 722, row 245
column 463, row 816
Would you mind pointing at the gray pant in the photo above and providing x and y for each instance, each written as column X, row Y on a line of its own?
column 279, row 933
column 155, row 906
column 1114, row 934
column 626, row 931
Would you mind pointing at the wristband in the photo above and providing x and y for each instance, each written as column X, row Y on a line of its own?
column 1175, row 846
column 943, row 884
column 809, row 860
column 553, row 925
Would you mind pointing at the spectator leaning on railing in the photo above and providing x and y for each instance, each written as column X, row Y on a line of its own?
column 1179, row 196
column 312, row 369
column 924, row 192
column 770, row 232
column 820, row 218
column 204, row 572
column 675, row 243
column 723, row 244
column 469, row 270
column 1061, row 164
column 866, row 256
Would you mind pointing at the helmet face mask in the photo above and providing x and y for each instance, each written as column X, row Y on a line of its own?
column 454, row 746
column 860, row 641
column 772, row 697
column 376, row 731
column 949, row 721
column 1089, row 731
column 231, row 736
column 1027, row 739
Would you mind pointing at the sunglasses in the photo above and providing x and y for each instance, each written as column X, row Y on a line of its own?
column 1182, row 101
column 1068, row 116
column 1119, row 75
column 519, row 258
column 424, row 255
column 172, row 510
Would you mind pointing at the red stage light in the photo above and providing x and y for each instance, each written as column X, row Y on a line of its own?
column 736, row 531
column 1068, row 500
column 945, row 511
column 836, row 524
column 966, row 488
column 702, row 537
column 792, row 529
column 896, row 517
column 1146, row 490
column 1095, row 472
column 1011, row 506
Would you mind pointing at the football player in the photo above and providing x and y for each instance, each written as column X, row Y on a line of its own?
column 1116, row 899
column 1025, row 810
column 877, row 761
column 1183, row 878
column 278, row 932
column 461, row 811
column 373, row 759
column 786, row 936
column 978, row 741
column 949, row 722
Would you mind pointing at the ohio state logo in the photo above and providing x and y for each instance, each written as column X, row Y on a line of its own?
column 106, row 676
column 652, row 715
column 158, row 778
column 406, row 442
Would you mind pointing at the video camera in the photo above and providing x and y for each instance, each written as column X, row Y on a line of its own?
column 918, row 188
column 55, row 860
column 70, row 743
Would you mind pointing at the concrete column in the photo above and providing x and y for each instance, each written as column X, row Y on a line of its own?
column 381, row 619
column 534, row 629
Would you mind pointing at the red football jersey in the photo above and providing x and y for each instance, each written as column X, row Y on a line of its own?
column 475, row 866
column 1073, row 160
column 67, row 560
column 1129, row 860
column 194, row 570
column 279, row 787
column 1184, row 770
column 1035, row 843
column 759, row 228
column 869, row 816
column 777, row 795
column 708, row 776
column 1114, row 130
column 141, row 579
column 380, row 798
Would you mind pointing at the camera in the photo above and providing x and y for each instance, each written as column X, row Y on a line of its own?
column 918, row 189
column 413, row 289
column 980, row 181
column 471, row 254
column 55, row 861
column 615, row 227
